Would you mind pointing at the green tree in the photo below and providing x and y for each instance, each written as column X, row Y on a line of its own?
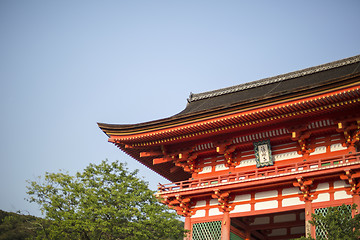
column 15, row 226
column 18, row 226
column 337, row 223
column 105, row 201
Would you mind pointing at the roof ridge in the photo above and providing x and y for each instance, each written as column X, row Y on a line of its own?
column 283, row 77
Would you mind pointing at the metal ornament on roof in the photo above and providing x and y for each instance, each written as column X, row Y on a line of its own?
column 263, row 154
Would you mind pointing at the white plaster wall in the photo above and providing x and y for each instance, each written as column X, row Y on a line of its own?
column 286, row 156
column 337, row 147
column 266, row 194
column 266, row 205
column 290, row 191
column 199, row 213
column 214, row 211
column 341, row 195
column 319, row 150
column 214, row 201
column 206, row 169
column 340, row 184
column 241, row 208
column 322, row 186
column 220, row 167
column 201, row 203
column 241, row 198
column 322, row 197
column 247, row 162
column 291, row 202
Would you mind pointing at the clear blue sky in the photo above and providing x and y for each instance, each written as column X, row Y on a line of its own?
column 66, row 65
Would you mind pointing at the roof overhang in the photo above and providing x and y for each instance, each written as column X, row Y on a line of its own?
column 329, row 96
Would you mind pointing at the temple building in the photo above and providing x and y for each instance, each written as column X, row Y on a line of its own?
column 253, row 161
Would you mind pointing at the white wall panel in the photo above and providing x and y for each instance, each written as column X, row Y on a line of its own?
column 241, row 208
column 266, row 205
column 266, row 194
column 291, row 202
column 341, row 195
column 199, row 213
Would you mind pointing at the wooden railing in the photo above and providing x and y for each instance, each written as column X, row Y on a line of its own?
column 262, row 172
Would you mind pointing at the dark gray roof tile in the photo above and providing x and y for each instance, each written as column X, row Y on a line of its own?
column 303, row 80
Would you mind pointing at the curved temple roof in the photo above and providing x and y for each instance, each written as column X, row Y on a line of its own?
column 270, row 80
column 250, row 94
column 318, row 89
column 270, row 87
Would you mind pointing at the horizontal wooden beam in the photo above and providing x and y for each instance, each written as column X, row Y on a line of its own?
column 162, row 160
column 150, row 154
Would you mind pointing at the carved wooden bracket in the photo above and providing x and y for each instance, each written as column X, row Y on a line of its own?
column 305, row 187
column 229, row 151
column 181, row 205
column 224, row 199
column 301, row 135
column 351, row 131
column 187, row 160
column 352, row 179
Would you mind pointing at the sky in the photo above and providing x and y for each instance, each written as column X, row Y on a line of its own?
column 66, row 65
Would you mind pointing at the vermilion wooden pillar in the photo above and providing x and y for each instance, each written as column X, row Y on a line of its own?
column 187, row 226
column 225, row 228
column 309, row 230
column 356, row 200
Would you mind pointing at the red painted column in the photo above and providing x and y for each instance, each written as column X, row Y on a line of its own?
column 225, row 226
column 187, row 226
column 309, row 230
column 356, row 200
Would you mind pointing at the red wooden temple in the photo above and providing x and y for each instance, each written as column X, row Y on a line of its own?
column 253, row 161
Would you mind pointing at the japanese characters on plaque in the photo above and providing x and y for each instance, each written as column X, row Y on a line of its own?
column 263, row 153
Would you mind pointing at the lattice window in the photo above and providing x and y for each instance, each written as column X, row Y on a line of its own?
column 207, row 230
column 320, row 232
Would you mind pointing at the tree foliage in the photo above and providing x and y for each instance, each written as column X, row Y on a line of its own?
column 337, row 223
column 16, row 226
column 105, row 201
